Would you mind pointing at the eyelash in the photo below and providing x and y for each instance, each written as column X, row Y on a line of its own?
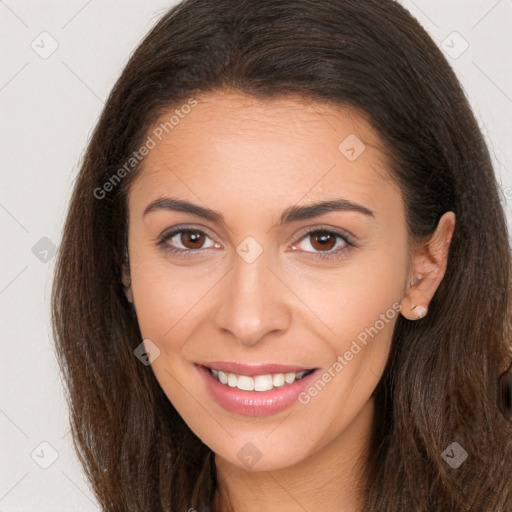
column 162, row 241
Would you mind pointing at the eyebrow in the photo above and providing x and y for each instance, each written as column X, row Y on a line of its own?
column 291, row 214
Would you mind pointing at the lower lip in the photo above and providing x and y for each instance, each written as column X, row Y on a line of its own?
column 254, row 403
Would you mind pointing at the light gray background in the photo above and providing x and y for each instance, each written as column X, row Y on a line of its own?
column 49, row 106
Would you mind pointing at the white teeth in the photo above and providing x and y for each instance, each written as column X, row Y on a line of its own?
column 263, row 383
column 232, row 381
column 278, row 379
column 259, row 382
column 289, row 378
column 245, row 383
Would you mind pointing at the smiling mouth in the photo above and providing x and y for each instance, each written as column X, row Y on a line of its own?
column 264, row 382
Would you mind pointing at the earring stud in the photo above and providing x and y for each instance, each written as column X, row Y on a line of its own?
column 420, row 311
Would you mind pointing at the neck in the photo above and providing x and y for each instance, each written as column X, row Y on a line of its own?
column 332, row 478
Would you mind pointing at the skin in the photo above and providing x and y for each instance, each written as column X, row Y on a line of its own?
column 249, row 159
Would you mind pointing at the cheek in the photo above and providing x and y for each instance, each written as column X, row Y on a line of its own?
column 168, row 298
column 351, row 299
column 360, row 308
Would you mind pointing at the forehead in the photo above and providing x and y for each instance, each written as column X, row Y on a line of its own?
column 238, row 149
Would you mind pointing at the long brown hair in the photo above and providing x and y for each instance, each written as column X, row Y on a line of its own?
column 440, row 383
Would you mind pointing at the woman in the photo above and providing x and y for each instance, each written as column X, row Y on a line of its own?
column 284, row 280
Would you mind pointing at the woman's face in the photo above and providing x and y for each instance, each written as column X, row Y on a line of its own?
column 267, row 279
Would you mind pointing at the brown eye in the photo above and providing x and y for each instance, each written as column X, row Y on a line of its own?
column 324, row 243
column 192, row 239
column 322, row 240
column 186, row 241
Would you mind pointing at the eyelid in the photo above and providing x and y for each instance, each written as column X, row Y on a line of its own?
column 168, row 232
column 347, row 235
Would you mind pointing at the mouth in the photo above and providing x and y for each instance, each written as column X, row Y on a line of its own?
column 262, row 382
column 254, row 390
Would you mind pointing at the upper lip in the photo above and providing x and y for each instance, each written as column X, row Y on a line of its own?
column 251, row 369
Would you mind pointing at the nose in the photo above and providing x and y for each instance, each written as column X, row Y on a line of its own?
column 252, row 303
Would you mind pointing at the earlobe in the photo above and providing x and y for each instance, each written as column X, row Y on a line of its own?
column 429, row 264
column 419, row 311
column 410, row 309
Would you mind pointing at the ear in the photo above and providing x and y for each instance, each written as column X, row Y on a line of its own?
column 428, row 267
